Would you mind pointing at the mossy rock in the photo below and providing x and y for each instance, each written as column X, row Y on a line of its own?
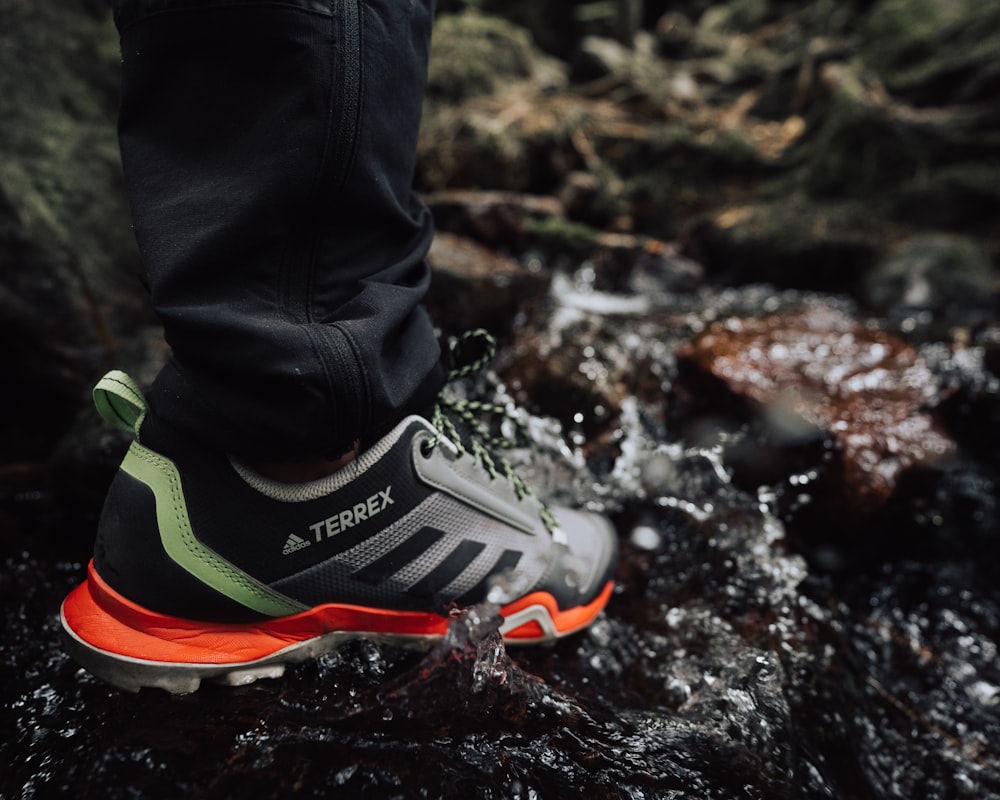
column 474, row 53
column 964, row 197
column 69, row 293
column 556, row 236
column 791, row 242
column 860, row 146
column 734, row 16
column 951, row 276
column 935, row 52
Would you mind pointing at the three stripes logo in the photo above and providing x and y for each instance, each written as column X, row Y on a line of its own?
column 440, row 565
column 420, row 551
column 294, row 543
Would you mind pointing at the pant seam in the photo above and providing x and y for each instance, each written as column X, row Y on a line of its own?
column 348, row 370
column 340, row 149
column 362, row 386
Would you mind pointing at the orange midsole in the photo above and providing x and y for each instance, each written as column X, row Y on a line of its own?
column 104, row 619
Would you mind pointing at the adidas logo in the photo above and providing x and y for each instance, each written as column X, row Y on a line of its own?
column 293, row 544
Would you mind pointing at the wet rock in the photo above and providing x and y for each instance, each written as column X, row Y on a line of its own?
column 969, row 366
column 600, row 339
column 904, row 618
column 662, row 268
column 474, row 287
column 473, row 661
column 589, row 199
column 823, row 375
column 497, row 219
column 618, row 261
column 576, row 383
column 724, row 667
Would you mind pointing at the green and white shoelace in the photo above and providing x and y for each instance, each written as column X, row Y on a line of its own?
column 469, row 415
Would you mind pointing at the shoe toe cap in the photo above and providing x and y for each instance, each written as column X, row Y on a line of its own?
column 587, row 545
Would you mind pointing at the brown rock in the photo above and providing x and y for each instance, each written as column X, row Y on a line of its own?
column 822, row 371
column 494, row 218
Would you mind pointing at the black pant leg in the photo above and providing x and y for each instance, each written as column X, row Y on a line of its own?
column 269, row 152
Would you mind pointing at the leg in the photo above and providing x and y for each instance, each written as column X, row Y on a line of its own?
column 269, row 153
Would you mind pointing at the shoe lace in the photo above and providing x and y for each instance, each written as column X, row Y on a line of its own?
column 461, row 421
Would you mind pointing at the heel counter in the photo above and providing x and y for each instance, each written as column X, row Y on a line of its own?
column 127, row 537
column 136, row 534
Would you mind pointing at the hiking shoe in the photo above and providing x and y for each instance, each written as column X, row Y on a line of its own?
column 205, row 570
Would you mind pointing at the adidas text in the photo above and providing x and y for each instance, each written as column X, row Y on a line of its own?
column 350, row 517
column 294, row 543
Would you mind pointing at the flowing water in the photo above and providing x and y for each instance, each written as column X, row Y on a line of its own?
column 751, row 650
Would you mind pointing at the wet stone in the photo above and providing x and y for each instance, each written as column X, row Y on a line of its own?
column 476, row 287
column 496, row 219
column 822, row 374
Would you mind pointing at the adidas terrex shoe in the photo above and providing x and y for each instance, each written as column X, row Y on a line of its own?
column 204, row 570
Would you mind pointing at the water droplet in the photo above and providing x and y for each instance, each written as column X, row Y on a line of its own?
column 645, row 537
